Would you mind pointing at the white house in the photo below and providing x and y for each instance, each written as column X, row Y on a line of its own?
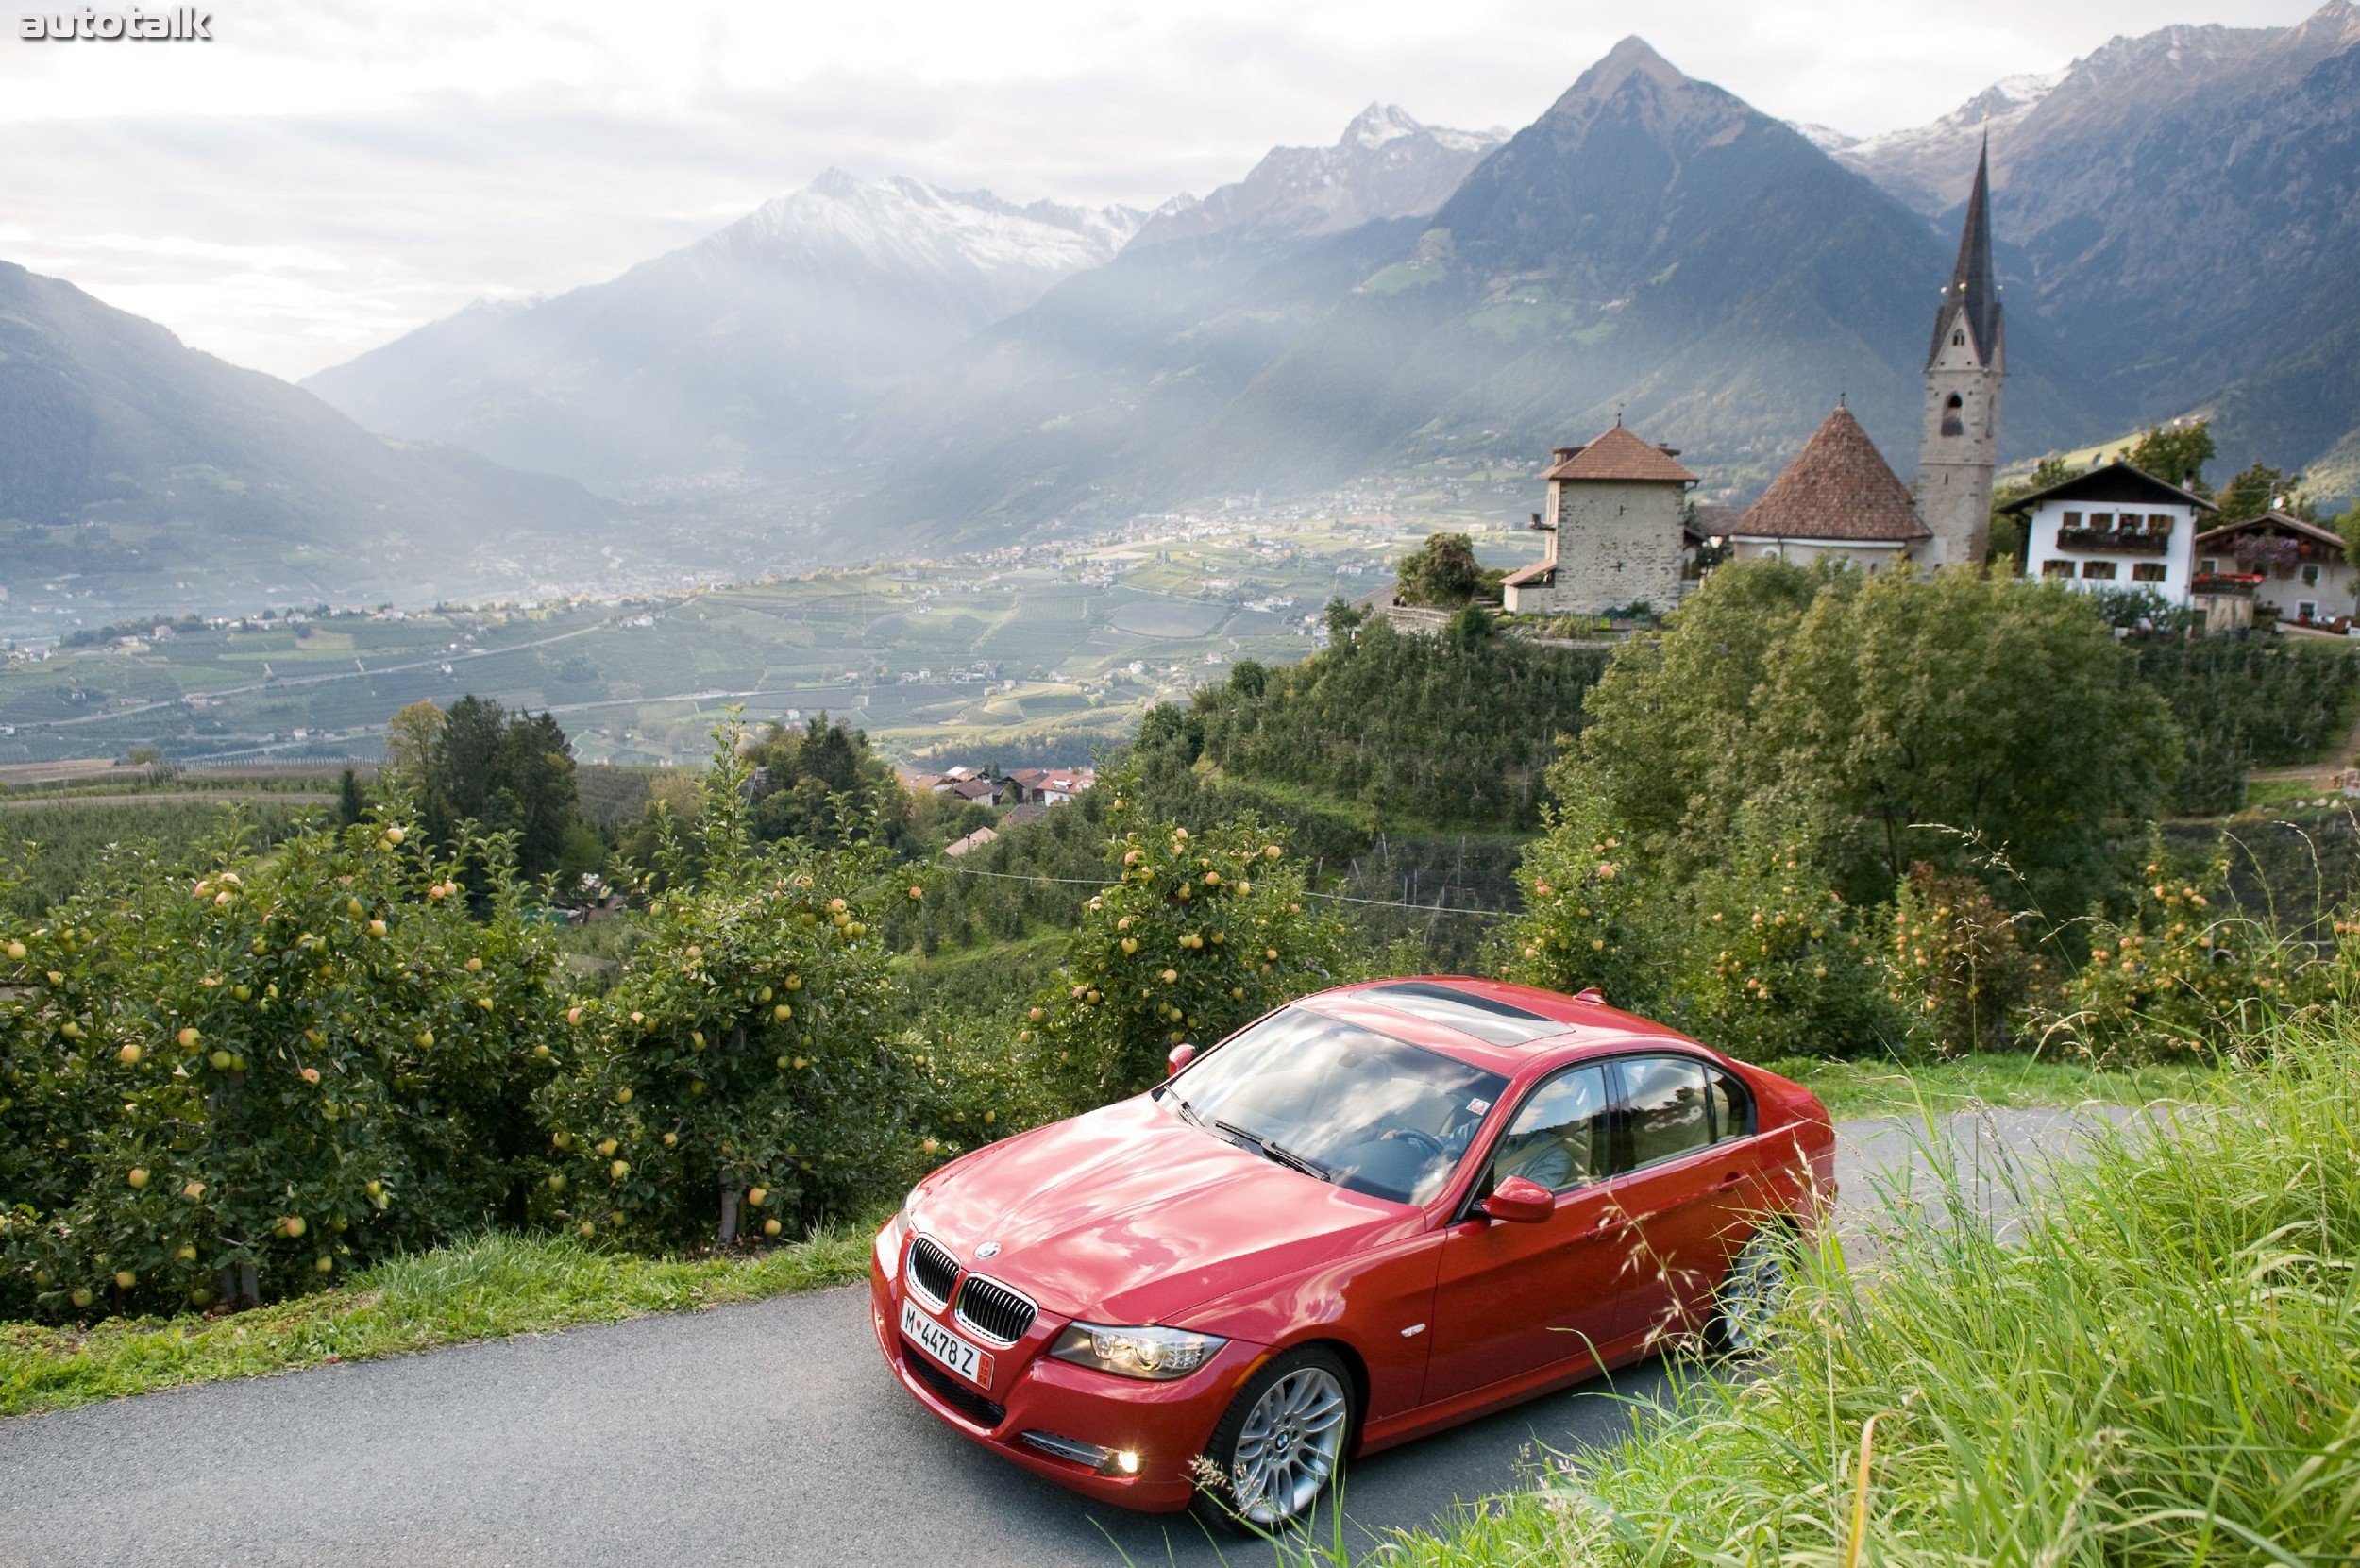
column 2114, row 526
column 2290, row 566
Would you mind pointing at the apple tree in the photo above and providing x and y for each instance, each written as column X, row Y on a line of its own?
column 1199, row 935
column 737, row 1078
column 252, row 1073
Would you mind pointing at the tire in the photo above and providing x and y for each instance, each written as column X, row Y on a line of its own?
column 1752, row 1292
column 1281, row 1442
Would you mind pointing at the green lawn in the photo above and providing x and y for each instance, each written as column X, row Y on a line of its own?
column 1891, row 1088
column 484, row 1287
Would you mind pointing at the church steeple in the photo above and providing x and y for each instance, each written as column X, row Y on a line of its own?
column 1972, row 299
column 1963, row 368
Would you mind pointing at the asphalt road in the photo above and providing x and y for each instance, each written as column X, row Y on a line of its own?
column 770, row 1433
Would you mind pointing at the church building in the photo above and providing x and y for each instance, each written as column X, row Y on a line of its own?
column 1840, row 500
column 1963, row 368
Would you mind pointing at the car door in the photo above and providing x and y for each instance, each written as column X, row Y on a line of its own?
column 1690, row 1194
column 1512, row 1299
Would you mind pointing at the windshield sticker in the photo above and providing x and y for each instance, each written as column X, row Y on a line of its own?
column 1478, row 1106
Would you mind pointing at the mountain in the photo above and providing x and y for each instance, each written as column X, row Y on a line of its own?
column 1652, row 245
column 700, row 360
column 160, row 477
column 2183, row 208
column 1080, row 401
column 1385, row 165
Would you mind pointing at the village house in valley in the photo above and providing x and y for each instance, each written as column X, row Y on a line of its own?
column 2116, row 527
column 2289, row 565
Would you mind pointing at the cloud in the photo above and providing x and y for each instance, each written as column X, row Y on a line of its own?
column 329, row 173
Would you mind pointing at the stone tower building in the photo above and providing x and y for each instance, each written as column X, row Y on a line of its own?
column 1613, row 533
column 1963, row 370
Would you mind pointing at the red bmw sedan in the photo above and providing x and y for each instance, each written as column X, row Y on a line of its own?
column 1379, row 1211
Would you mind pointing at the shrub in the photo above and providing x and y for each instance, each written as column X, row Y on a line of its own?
column 742, row 1053
column 1199, row 936
column 2181, row 975
column 1593, row 914
column 1774, row 963
column 1954, row 965
column 244, row 1081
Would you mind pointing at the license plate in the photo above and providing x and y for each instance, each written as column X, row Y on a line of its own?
column 970, row 1361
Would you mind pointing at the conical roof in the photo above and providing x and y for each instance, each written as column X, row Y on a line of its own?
column 1838, row 488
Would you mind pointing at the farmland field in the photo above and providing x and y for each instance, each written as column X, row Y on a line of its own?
column 1042, row 649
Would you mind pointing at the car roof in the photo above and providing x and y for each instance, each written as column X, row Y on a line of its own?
column 1492, row 1024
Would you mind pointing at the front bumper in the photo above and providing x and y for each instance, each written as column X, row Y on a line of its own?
column 1167, row 1424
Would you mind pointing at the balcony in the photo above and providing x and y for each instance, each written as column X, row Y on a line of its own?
column 2107, row 541
column 2227, row 585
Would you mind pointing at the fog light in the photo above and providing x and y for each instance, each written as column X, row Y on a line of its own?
column 1106, row 1461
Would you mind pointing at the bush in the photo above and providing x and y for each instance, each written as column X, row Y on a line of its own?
column 1955, row 967
column 1775, row 964
column 242, row 1082
column 1757, row 955
column 741, row 1054
column 1200, row 934
column 2183, row 975
column 1594, row 916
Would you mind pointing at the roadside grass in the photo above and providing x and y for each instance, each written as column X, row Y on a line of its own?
column 2155, row 1360
column 487, row 1286
column 1891, row 1088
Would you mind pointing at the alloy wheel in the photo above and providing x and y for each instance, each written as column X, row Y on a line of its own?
column 1288, row 1445
column 1754, row 1290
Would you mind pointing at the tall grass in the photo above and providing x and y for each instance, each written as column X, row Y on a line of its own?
column 2155, row 1359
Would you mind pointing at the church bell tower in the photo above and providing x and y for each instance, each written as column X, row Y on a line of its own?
column 1964, row 369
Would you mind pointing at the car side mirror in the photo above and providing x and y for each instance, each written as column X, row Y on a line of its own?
column 1519, row 1200
column 1182, row 1055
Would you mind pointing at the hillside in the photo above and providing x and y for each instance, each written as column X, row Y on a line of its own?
column 157, row 477
column 700, row 361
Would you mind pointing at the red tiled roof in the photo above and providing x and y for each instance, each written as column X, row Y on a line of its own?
column 1838, row 488
column 1620, row 455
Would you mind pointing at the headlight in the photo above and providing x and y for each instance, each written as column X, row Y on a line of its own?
column 1159, row 1354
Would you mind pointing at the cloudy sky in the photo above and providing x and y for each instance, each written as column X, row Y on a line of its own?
column 327, row 173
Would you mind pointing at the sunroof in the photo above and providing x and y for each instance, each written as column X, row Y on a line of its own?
column 1485, row 1018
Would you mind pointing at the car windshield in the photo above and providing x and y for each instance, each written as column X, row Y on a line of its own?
column 1366, row 1112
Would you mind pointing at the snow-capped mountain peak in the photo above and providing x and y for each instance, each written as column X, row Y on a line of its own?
column 902, row 224
column 1385, row 165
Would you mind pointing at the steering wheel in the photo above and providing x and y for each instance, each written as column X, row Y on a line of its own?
column 1410, row 1134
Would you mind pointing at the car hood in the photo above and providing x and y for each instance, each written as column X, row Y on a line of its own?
column 1128, row 1215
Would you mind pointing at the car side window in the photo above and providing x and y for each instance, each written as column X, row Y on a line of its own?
column 1558, row 1138
column 1732, row 1106
column 1661, row 1109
